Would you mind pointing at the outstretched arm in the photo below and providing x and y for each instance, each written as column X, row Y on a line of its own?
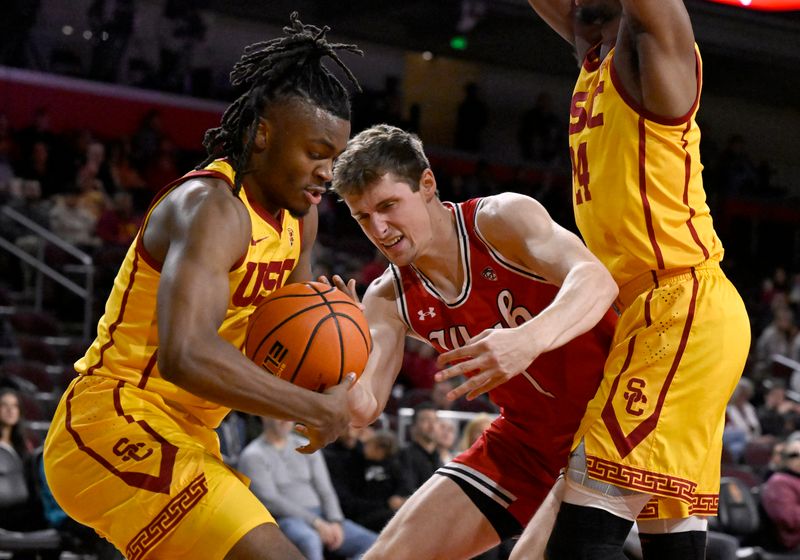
column 656, row 57
column 369, row 396
column 521, row 230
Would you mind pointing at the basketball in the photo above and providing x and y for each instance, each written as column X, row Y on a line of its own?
column 309, row 334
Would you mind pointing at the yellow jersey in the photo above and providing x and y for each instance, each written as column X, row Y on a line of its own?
column 126, row 347
column 637, row 186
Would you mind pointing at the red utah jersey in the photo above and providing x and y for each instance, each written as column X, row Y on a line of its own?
column 549, row 398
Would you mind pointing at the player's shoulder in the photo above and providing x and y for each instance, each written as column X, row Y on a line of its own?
column 205, row 191
column 383, row 286
column 503, row 209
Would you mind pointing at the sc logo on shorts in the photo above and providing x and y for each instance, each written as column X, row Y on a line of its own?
column 131, row 451
column 634, row 396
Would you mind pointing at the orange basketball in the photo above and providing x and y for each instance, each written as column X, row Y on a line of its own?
column 310, row 334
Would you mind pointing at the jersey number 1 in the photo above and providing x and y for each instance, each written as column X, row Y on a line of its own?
column 580, row 172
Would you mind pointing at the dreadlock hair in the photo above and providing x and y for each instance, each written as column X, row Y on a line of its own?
column 274, row 70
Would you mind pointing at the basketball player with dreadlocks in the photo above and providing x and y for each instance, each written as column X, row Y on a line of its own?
column 132, row 450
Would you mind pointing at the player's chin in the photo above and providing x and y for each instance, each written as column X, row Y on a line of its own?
column 299, row 210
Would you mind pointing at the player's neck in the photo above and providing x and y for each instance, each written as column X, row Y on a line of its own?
column 441, row 263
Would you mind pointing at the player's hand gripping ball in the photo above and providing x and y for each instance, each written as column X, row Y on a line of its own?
column 310, row 334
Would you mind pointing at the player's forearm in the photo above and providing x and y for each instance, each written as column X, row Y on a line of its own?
column 585, row 296
column 215, row 370
column 364, row 405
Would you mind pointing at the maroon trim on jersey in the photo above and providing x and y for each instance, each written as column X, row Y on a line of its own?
column 626, row 444
column 118, row 320
column 648, row 216
column 140, row 248
column 402, row 305
column 466, row 261
column 648, row 320
column 591, row 62
column 276, row 223
column 167, row 519
column 649, row 115
column 687, row 178
column 499, row 257
column 159, row 484
column 151, row 364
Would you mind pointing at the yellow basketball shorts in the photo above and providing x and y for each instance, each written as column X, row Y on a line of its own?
column 119, row 460
column 655, row 424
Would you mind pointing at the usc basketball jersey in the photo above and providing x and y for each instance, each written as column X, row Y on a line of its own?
column 637, row 187
column 126, row 346
column 549, row 397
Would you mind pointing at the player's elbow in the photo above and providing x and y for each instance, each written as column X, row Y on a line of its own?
column 609, row 287
column 603, row 284
column 175, row 361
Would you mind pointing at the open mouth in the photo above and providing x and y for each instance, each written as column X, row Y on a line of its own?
column 392, row 242
column 314, row 194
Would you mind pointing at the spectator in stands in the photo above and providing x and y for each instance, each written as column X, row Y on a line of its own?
column 445, row 434
column 233, row 437
column 340, row 454
column 38, row 131
column 18, row 510
column 777, row 415
column 30, row 204
column 419, row 457
column 471, row 119
column 118, row 225
column 473, row 430
column 741, row 420
column 93, row 196
column 776, row 338
column 162, row 169
column 780, row 497
column 297, row 490
column 370, row 481
column 439, row 395
column 775, row 463
column 38, row 165
column 72, row 222
column 146, row 140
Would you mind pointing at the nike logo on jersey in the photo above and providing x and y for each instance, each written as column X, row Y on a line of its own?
column 254, row 242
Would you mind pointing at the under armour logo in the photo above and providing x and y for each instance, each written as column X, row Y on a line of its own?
column 634, row 395
column 128, row 452
column 429, row 313
column 489, row 274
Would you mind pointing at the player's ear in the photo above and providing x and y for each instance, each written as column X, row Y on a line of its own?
column 427, row 185
column 262, row 135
